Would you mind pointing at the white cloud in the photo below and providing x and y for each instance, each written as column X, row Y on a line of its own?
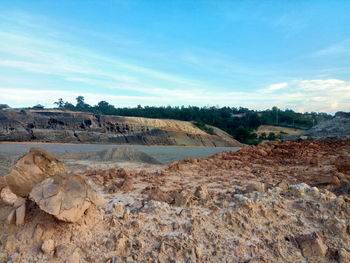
column 42, row 65
column 73, row 63
column 327, row 95
column 274, row 87
column 321, row 84
column 295, row 97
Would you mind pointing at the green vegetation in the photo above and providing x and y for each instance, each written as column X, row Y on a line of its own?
column 4, row 106
column 204, row 127
column 238, row 122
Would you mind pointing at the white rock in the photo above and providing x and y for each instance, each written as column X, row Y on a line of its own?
column 7, row 196
column 20, row 214
column 298, row 190
column 118, row 210
column 313, row 191
column 48, row 247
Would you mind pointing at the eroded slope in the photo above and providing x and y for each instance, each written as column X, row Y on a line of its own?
column 66, row 126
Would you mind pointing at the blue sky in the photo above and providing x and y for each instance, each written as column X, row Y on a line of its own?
column 256, row 54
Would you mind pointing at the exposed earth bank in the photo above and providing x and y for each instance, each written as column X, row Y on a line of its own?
column 277, row 202
column 78, row 127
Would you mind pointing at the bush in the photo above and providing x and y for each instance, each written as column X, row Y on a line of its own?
column 204, row 127
column 271, row 136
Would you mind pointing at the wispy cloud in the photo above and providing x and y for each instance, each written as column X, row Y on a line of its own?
column 47, row 55
column 341, row 48
column 302, row 95
column 40, row 68
column 274, row 87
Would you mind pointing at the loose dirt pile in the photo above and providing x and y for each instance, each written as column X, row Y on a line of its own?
column 278, row 202
column 338, row 127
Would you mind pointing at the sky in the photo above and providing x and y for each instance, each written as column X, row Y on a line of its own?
column 255, row 54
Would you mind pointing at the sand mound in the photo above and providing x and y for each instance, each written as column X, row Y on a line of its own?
column 113, row 155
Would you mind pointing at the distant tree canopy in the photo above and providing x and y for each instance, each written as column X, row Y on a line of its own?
column 238, row 122
column 60, row 103
column 4, row 106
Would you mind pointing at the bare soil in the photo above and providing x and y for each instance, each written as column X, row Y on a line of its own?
column 277, row 202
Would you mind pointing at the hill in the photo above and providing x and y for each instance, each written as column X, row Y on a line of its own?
column 80, row 127
column 238, row 122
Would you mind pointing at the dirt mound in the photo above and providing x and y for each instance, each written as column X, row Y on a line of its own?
column 338, row 127
column 113, row 155
column 278, row 226
column 168, row 125
column 280, row 201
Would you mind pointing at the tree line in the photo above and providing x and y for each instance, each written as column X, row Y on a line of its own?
column 239, row 122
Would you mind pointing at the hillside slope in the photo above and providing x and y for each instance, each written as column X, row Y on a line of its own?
column 77, row 127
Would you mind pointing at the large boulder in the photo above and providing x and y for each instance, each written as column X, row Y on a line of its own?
column 65, row 197
column 44, row 179
column 32, row 168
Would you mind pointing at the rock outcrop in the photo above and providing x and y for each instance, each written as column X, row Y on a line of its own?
column 44, row 179
column 66, row 198
column 78, row 127
column 32, row 168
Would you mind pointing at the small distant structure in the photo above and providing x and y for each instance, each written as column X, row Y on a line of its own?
column 38, row 107
column 239, row 115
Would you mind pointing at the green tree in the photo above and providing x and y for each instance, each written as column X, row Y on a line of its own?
column 81, row 105
column 242, row 134
column 105, row 108
column 263, row 136
column 59, row 103
column 271, row 136
column 4, row 106
column 69, row 106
